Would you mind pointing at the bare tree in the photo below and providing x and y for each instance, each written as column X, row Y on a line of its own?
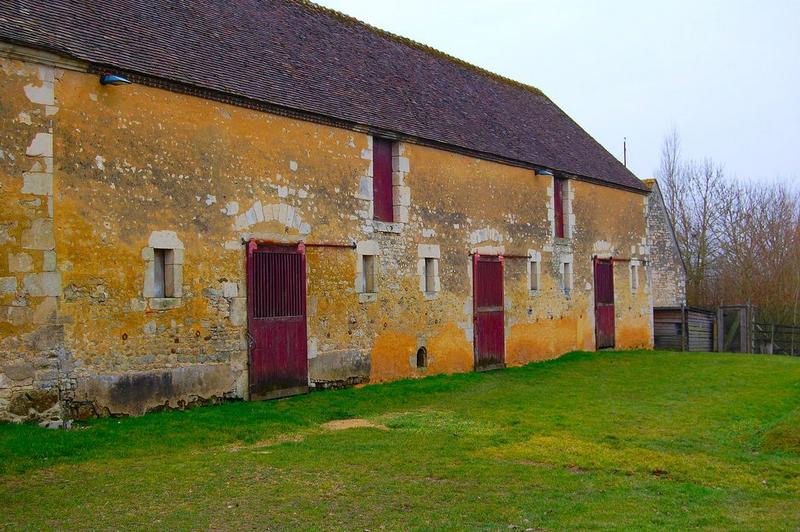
column 694, row 192
column 740, row 241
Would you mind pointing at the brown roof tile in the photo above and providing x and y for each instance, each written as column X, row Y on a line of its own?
column 299, row 56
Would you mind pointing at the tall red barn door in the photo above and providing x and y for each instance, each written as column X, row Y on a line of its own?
column 276, row 305
column 604, row 302
column 488, row 315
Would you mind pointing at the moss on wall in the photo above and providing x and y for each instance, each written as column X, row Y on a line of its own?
column 132, row 164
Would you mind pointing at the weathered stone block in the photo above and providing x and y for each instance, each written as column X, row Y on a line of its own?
column 339, row 367
column 230, row 289
column 176, row 257
column 365, row 188
column 164, row 303
column 46, row 337
column 401, row 195
column 43, row 94
column 32, row 402
column 401, row 214
column 15, row 315
column 49, row 261
column 400, row 164
column 37, row 183
column 19, row 372
column 41, row 145
column 8, row 285
column 39, row 235
column 177, row 280
column 238, row 311
column 164, row 240
column 20, row 262
column 46, row 311
column 43, row 284
column 137, row 393
column 429, row 250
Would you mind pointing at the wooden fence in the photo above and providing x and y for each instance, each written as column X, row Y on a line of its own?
column 729, row 328
column 684, row 329
column 776, row 339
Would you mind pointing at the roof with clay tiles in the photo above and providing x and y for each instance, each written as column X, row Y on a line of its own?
column 306, row 59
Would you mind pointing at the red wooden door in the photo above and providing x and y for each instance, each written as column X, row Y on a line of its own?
column 276, row 305
column 488, row 315
column 604, row 303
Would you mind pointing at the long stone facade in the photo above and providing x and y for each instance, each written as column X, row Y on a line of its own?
column 96, row 179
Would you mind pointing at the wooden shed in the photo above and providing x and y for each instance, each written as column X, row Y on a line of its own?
column 684, row 329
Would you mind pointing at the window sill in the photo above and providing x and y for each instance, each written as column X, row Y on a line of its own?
column 430, row 296
column 387, row 227
column 367, row 297
column 163, row 303
column 533, row 293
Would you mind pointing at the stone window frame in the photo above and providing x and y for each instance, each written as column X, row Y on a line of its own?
column 426, row 253
column 567, row 197
column 173, row 269
column 633, row 273
column 367, row 248
column 534, row 272
column 401, row 193
column 567, row 274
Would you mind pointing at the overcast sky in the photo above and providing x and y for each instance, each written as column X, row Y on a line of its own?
column 726, row 74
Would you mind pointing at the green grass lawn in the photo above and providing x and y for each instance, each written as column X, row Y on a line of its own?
column 592, row 440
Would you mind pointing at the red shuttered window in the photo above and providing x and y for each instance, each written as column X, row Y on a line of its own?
column 382, row 179
column 558, row 205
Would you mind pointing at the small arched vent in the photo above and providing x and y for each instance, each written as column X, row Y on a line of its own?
column 422, row 357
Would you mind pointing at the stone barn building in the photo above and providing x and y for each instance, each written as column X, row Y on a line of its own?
column 284, row 198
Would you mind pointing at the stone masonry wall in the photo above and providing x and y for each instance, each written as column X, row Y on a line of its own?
column 124, row 171
column 666, row 267
column 34, row 366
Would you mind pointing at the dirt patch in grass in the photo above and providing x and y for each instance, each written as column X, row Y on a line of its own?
column 269, row 442
column 785, row 435
column 355, row 423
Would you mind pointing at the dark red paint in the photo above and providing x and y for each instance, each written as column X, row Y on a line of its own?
column 382, row 179
column 604, row 302
column 488, row 314
column 558, row 205
column 276, row 304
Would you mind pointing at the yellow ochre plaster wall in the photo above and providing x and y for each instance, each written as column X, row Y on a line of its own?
column 93, row 178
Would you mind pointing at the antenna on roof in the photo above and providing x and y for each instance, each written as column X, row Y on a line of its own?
column 625, row 151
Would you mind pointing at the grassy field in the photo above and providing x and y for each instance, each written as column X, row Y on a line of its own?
column 592, row 440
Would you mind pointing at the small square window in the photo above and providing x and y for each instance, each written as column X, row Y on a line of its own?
column 370, row 286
